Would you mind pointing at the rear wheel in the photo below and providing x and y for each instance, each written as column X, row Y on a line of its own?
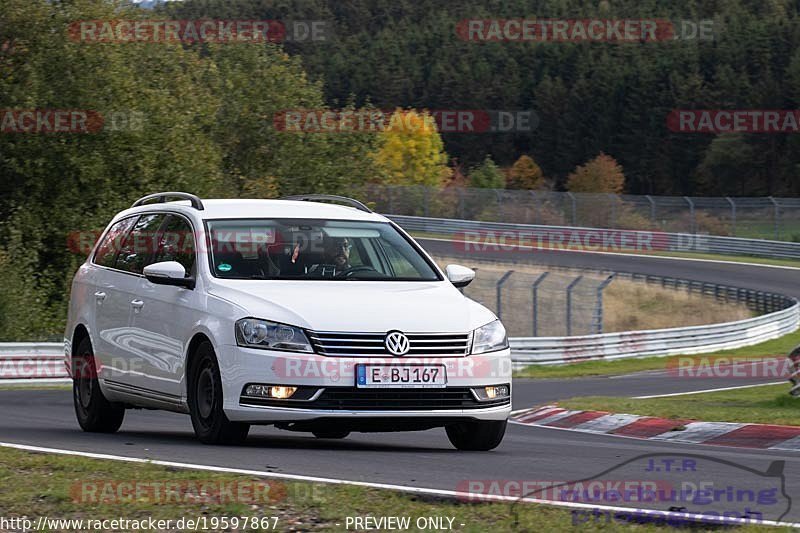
column 478, row 435
column 205, row 401
column 331, row 433
column 94, row 412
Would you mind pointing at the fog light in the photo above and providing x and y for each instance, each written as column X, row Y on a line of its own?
column 492, row 392
column 499, row 391
column 277, row 392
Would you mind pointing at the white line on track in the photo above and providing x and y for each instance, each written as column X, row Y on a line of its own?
column 707, row 390
column 648, row 256
column 401, row 488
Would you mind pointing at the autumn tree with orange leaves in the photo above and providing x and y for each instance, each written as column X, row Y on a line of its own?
column 600, row 175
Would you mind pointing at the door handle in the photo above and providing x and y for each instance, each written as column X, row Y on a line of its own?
column 137, row 305
column 99, row 296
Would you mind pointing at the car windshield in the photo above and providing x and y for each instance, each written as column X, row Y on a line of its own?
column 314, row 250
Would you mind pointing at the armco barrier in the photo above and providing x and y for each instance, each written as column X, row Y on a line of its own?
column 21, row 361
column 43, row 360
column 673, row 341
column 602, row 239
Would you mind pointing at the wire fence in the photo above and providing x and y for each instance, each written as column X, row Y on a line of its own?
column 541, row 304
column 551, row 301
column 763, row 218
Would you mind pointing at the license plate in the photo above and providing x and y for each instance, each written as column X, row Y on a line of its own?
column 400, row 376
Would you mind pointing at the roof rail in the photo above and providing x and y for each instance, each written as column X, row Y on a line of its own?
column 162, row 197
column 331, row 197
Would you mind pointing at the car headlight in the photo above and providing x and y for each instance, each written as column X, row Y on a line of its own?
column 489, row 338
column 255, row 333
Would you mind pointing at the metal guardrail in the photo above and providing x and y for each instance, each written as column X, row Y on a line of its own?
column 763, row 217
column 32, row 361
column 659, row 342
column 588, row 239
column 43, row 360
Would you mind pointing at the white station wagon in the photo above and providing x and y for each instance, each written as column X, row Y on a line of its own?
column 296, row 312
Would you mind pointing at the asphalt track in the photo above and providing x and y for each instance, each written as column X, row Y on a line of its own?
column 758, row 277
column 426, row 460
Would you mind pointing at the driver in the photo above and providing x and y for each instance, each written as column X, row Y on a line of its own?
column 337, row 253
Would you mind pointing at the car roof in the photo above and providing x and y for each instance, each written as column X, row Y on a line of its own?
column 242, row 208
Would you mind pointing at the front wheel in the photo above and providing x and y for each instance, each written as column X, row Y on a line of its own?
column 94, row 412
column 205, row 401
column 478, row 435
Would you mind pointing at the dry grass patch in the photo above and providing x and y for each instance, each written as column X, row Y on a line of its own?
column 631, row 305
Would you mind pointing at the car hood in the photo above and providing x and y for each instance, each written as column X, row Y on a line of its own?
column 357, row 306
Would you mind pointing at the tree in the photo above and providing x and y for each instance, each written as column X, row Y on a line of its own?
column 157, row 114
column 601, row 175
column 196, row 117
column 487, row 175
column 525, row 174
column 730, row 163
column 410, row 151
column 256, row 84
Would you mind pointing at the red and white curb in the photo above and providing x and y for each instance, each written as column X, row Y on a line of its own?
column 761, row 436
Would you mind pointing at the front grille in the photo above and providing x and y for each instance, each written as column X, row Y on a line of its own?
column 355, row 399
column 422, row 344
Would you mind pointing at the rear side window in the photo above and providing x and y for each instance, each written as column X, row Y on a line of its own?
column 176, row 243
column 139, row 244
column 112, row 242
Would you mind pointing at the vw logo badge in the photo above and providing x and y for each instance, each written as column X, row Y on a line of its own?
column 397, row 343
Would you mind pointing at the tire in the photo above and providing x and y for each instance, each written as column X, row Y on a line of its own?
column 94, row 412
column 205, row 401
column 331, row 433
column 476, row 435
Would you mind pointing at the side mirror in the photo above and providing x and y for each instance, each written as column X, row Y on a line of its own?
column 459, row 276
column 168, row 273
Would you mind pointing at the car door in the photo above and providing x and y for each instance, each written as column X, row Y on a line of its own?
column 121, row 283
column 111, row 305
column 161, row 327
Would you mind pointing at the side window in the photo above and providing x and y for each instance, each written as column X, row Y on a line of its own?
column 139, row 244
column 401, row 266
column 112, row 242
column 356, row 258
column 176, row 243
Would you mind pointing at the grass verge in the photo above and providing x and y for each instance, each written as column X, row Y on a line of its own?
column 763, row 405
column 775, row 347
column 56, row 486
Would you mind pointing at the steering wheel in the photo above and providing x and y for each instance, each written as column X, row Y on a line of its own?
column 354, row 270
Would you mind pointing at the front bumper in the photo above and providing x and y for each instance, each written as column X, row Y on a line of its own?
column 335, row 377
